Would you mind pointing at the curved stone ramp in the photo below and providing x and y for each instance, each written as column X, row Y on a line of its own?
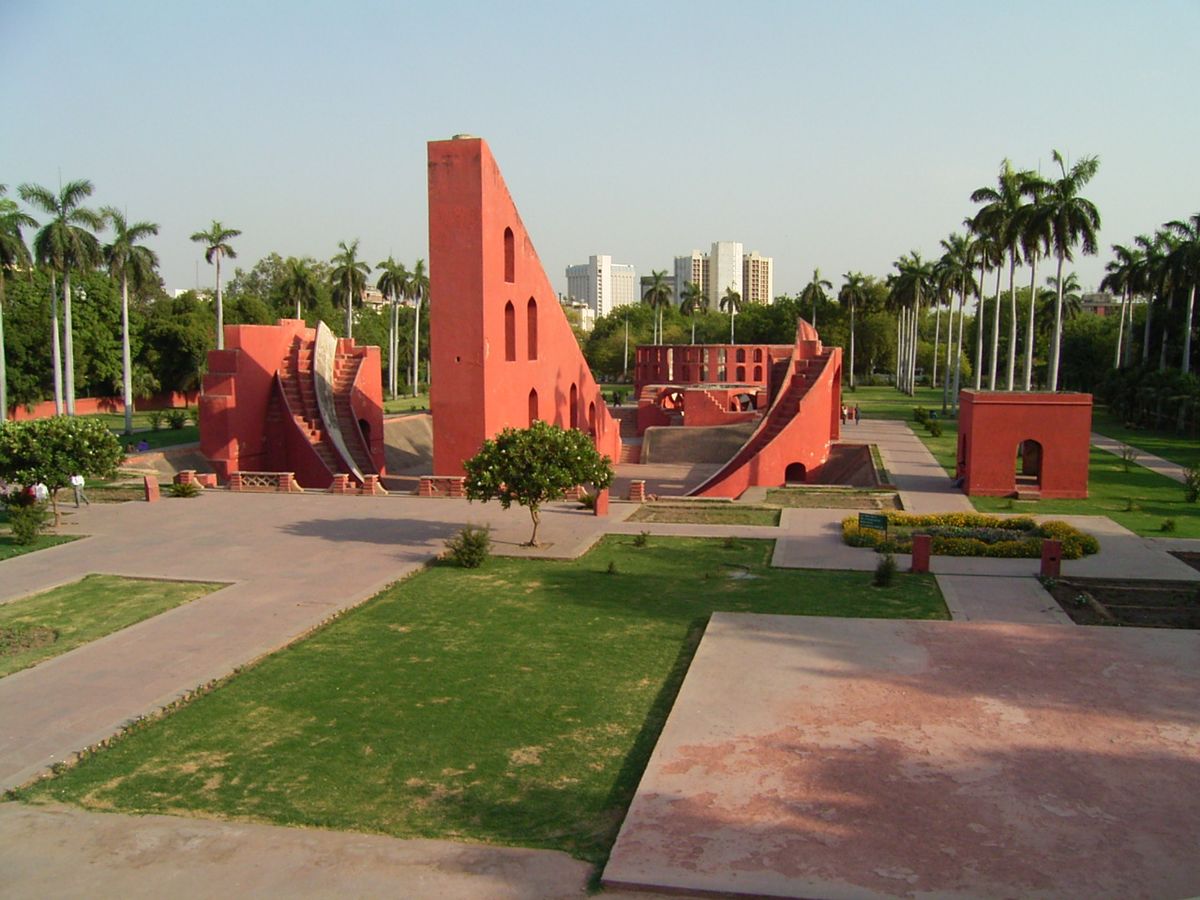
column 408, row 444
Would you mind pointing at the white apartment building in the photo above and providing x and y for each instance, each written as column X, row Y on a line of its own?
column 727, row 265
column 602, row 284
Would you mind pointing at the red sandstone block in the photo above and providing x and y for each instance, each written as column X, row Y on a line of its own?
column 601, row 506
column 185, row 476
column 235, row 481
column 206, row 479
column 637, row 491
column 150, row 483
column 1051, row 559
column 922, row 544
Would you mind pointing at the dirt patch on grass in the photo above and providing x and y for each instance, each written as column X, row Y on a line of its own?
column 705, row 514
column 1146, row 604
column 807, row 498
column 16, row 639
column 526, row 756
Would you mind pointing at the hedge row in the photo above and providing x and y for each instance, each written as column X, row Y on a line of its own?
column 1026, row 542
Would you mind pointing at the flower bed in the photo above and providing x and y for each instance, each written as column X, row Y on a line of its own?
column 971, row 534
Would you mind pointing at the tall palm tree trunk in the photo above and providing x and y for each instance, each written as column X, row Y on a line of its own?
column 851, row 342
column 55, row 347
column 979, row 328
column 900, row 350
column 1146, row 332
column 693, row 326
column 1162, row 349
column 1012, row 317
column 1056, row 341
column 1187, row 331
column 949, row 354
column 1127, row 353
column 126, row 362
column 3, row 361
column 68, row 344
column 416, row 381
column 1029, row 334
column 1120, row 329
column 732, row 317
column 937, row 334
column 995, row 331
column 962, row 300
column 912, row 372
column 220, row 307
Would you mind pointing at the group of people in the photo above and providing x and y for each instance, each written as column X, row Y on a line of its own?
column 39, row 493
column 851, row 414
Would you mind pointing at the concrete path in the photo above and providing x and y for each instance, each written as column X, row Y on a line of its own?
column 1171, row 470
column 983, row 598
column 923, row 484
column 291, row 562
column 66, row 852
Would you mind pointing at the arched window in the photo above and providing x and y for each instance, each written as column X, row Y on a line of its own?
column 741, row 374
column 592, row 418
column 574, row 401
column 510, row 257
column 758, row 373
column 531, row 327
column 758, row 355
column 533, row 405
column 510, row 332
column 741, row 355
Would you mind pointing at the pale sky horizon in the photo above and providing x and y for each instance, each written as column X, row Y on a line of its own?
column 836, row 136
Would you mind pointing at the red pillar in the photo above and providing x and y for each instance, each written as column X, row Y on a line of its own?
column 1051, row 558
column 601, row 506
column 921, row 546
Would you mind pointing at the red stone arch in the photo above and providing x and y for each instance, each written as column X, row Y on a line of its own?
column 510, row 332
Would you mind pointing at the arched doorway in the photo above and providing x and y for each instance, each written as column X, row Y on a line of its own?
column 533, row 405
column 1029, row 464
column 796, row 473
column 574, row 402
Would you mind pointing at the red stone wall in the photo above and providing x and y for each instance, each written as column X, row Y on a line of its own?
column 992, row 426
column 86, row 406
column 496, row 328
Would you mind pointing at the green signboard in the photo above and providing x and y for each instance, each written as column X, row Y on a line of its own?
column 873, row 520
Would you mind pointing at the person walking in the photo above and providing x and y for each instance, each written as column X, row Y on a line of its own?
column 77, row 486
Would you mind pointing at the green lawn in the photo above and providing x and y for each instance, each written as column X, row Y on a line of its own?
column 9, row 548
column 1166, row 444
column 705, row 514
column 166, row 437
column 515, row 704
column 406, row 404
column 65, row 617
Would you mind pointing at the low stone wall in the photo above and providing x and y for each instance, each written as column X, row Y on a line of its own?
column 713, row 444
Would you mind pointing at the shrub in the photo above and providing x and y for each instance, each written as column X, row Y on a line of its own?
column 885, row 570
column 27, row 521
column 1129, row 456
column 156, row 419
column 587, row 501
column 934, row 427
column 973, row 534
column 1168, row 525
column 612, row 567
column 190, row 489
column 920, row 414
column 641, row 539
column 1191, row 483
column 177, row 418
column 470, row 547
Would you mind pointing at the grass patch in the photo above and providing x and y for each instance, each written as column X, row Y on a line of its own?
column 168, row 437
column 10, row 548
column 832, row 498
column 86, row 610
column 705, row 514
column 1168, row 445
column 406, row 404
column 516, row 704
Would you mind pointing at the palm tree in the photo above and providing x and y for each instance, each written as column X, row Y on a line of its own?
column 13, row 255
column 657, row 297
column 1118, row 279
column 393, row 283
column 731, row 301
column 1185, row 260
column 1035, row 243
column 987, row 255
column 1072, row 220
column 418, row 292
column 910, row 285
column 299, row 285
column 955, row 268
column 129, row 261
column 1002, row 217
column 348, row 279
column 814, row 291
column 66, row 242
column 216, row 244
column 694, row 299
column 853, row 293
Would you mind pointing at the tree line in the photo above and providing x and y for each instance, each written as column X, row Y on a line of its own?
column 66, row 283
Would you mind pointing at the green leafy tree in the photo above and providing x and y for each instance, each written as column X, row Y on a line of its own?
column 216, row 245
column 129, row 261
column 1033, row 228
column 298, row 285
column 52, row 450
column 348, row 279
column 815, row 292
column 658, row 298
column 13, row 255
column 175, row 340
column 1070, row 220
column 853, row 295
column 731, row 302
column 1184, row 260
column 955, row 268
column 393, row 284
column 65, row 243
column 533, row 466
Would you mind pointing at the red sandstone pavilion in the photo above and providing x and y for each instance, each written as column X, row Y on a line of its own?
column 291, row 406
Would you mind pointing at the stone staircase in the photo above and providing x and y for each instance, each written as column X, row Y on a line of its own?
column 296, row 378
column 345, row 369
column 631, row 450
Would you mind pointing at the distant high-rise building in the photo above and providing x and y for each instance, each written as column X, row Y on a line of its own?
column 602, row 284
column 727, row 266
column 758, row 279
column 647, row 280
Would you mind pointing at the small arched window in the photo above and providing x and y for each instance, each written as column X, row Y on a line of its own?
column 531, row 327
column 758, row 373
column 510, row 256
column 574, row 401
column 741, row 356
column 533, row 405
column 741, row 373
column 510, row 332
column 758, row 355
column 592, row 418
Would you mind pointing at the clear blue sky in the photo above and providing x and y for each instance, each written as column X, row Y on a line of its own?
column 837, row 135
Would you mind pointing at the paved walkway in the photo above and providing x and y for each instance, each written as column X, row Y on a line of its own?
column 923, row 484
column 990, row 598
column 1171, row 470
